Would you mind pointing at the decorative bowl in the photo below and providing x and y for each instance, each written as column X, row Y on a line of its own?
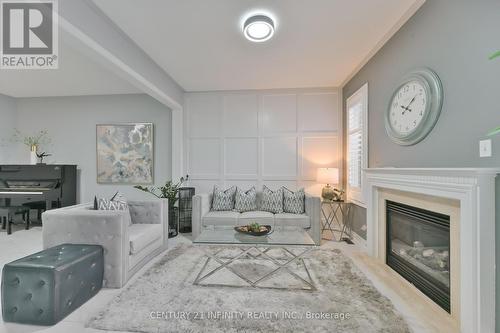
column 264, row 230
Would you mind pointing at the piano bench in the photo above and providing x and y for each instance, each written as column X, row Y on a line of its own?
column 7, row 214
column 45, row 287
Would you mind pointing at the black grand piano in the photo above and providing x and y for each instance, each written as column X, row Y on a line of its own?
column 36, row 187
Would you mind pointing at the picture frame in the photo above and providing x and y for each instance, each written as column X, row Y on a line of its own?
column 125, row 153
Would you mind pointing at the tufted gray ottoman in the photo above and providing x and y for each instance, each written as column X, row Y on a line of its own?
column 45, row 287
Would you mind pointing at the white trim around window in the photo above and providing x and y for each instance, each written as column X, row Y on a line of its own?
column 357, row 144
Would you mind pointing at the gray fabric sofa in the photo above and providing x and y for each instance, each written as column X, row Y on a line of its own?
column 130, row 240
column 204, row 217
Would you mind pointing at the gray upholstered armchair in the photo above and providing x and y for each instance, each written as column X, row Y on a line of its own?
column 129, row 240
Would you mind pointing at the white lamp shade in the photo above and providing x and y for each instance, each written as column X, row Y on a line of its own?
column 328, row 176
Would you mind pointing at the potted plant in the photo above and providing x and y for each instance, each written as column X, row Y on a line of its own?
column 32, row 141
column 495, row 55
column 170, row 192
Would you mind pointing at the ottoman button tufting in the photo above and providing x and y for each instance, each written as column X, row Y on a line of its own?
column 66, row 274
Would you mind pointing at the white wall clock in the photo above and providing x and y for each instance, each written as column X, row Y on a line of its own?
column 414, row 108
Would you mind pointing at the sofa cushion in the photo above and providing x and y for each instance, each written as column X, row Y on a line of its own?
column 293, row 202
column 245, row 201
column 220, row 218
column 272, row 201
column 116, row 202
column 258, row 216
column 223, row 200
column 295, row 220
column 141, row 235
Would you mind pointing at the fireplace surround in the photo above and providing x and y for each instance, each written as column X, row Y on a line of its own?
column 467, row 195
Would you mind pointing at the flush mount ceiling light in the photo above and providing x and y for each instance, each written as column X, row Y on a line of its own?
column 258, row 28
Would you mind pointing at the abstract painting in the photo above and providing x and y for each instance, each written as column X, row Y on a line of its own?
column 125, row 153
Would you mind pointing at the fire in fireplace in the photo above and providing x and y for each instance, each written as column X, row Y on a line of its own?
column 418, row 248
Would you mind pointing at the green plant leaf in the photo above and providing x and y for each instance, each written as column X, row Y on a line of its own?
column 494, row 131
column 495, row 55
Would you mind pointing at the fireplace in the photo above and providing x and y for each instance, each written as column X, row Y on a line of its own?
column 418, row 248
column 468, row 197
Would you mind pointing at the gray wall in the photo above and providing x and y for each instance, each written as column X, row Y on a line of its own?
column 454, row 38
column 71, row 123
column 7, row 121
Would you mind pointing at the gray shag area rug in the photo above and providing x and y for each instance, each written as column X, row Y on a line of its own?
column 164, row 298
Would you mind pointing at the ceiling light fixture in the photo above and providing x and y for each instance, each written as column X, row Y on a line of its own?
column 258, row 28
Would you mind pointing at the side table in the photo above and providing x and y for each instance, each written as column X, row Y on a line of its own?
column 337, row 212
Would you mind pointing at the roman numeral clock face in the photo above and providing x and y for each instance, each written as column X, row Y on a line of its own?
column 414, row 108
column 408, row 108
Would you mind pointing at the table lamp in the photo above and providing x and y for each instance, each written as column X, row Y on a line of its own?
column 328, row 176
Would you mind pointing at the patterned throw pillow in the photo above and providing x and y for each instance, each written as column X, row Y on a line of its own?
column 293, row 202
column 272, row 201
column 117, row 202
column 223, row 200
column 245, row 201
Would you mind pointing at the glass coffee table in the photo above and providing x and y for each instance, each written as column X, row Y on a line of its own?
column 247, row 250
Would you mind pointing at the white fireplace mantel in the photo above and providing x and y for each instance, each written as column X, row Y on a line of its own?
column 474, row 188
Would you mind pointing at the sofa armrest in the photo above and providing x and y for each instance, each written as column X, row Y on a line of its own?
column 313, row 210
column 201, row 206
column 151, row 212
column 80, row 225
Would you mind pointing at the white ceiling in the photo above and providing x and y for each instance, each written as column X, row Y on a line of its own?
column 77, row 75
column 200, row 44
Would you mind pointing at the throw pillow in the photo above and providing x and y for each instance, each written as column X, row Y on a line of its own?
column 245, row 201
column 117, row 202
column 293, row 202
column 272, row 201
column 223, row 200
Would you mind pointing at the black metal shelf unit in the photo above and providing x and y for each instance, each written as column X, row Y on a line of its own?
column 185, row 208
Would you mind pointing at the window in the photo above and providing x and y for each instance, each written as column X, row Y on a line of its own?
column 357, row 147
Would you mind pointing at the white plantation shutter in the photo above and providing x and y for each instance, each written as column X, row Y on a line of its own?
column 356, row 142
column 355, row 145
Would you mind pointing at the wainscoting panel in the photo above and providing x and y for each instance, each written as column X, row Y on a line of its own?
column 204, row 158
column 319, row 112
column 279, row 113
column 244, row 157
column 318, row 151
column 205, row 116
column 272, row 137
column 279, row 157
column 241, row 116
